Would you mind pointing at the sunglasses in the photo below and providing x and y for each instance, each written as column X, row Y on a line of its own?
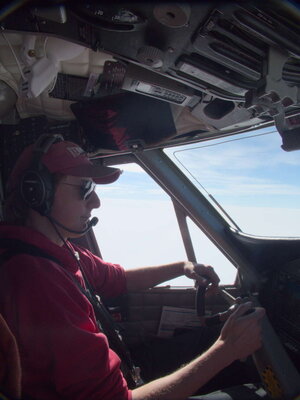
column 86, row 188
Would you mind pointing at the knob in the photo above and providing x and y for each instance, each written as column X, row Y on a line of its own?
column 172, row 15
column 151, row 56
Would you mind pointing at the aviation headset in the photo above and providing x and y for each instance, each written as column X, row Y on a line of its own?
column 36, row 185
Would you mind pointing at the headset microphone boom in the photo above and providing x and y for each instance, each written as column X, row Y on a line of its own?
column 90, row 224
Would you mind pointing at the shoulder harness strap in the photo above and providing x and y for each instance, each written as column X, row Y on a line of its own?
column 14, row 247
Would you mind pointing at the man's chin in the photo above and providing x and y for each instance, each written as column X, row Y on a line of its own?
column 77, row 231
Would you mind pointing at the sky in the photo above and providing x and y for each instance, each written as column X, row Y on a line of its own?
column 253, row 179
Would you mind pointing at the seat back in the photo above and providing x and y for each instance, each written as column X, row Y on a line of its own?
column 10, row 366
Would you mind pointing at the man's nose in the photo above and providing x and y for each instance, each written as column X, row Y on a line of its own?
column 94, row 200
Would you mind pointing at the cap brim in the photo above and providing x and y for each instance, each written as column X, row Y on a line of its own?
column 99, row 173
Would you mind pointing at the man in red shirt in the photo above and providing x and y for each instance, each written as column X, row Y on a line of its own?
column 44, row 293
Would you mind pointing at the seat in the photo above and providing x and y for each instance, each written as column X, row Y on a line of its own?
column 10, row 366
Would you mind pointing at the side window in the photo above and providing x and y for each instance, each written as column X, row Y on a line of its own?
column 207, row 253
column 138, row 226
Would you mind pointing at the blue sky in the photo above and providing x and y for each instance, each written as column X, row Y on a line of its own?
column 253, row 179
column 235, row 173
column 257, row 184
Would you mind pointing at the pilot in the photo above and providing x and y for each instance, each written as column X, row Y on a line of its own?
column 69, row 348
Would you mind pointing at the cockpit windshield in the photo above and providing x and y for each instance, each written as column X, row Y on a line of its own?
column 250, row 177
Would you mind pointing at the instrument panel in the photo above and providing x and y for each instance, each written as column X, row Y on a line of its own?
column 286, row 306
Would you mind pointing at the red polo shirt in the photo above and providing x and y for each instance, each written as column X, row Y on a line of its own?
column 63, row 354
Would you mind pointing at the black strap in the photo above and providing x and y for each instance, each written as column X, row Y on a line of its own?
column 107, row 325
column 116, row 343
column 105, row 322
column 14, row 247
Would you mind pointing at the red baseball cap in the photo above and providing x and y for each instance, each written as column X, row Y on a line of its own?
column 66, row 158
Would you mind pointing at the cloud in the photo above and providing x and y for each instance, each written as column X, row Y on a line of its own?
column 252, row 152
column 132, row 187
column 132, row 167
column 267, row 221
column 233, row 167
column 257, row 187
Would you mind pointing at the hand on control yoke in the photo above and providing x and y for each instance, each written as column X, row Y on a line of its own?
column 242, row 332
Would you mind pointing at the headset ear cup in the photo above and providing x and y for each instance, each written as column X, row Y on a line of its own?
column 37, row 184
column 37, row 189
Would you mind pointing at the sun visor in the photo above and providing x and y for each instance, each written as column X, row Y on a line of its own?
column 122, row 121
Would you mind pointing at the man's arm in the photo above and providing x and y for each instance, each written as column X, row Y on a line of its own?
column 240, row 337
column 148, row 277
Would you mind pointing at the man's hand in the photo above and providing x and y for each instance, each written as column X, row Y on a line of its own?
column 242, row 332
column 203, row 274
column 226, row 314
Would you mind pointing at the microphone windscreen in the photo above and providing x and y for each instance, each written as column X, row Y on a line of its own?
column 93, row 221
